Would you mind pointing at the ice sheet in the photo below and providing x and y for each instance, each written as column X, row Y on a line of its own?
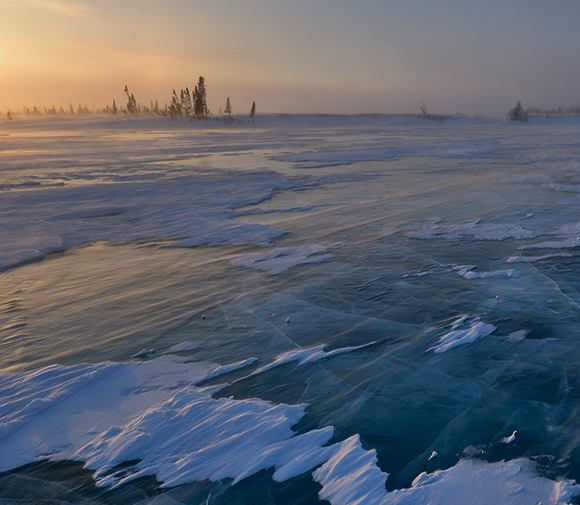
column 302, row 182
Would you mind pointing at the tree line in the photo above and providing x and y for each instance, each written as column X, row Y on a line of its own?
column 187, row 103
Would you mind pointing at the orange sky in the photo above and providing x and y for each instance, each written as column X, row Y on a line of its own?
column 328, row 56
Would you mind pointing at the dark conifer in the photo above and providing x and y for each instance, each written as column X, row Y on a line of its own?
column 253, row 112
column 197, row 105
column 131, row 103
column 202, row 98
column 518, row 113
column 228, row 111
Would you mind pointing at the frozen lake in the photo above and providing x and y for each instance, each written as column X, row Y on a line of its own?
column 357, row 309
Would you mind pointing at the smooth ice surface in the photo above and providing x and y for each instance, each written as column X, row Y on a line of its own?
column 241, row 254
column 183, row 347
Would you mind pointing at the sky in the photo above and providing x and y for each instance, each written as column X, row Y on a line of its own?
column 294, row 56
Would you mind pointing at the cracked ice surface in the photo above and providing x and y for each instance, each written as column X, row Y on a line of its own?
column 279, row 371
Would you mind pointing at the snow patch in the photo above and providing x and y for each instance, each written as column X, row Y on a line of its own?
column 569, row 233
column 532, row 259
column 280, row 260
column 466, row 271
column 352, row 477
column 457, row 337
column 473, row 229
column 304, row 356
column 109, row 413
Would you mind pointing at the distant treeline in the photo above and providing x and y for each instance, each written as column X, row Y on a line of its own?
column 191, row 104
column 560, row 111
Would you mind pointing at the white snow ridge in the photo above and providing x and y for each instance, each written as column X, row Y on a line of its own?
column 108, row 413
column 456, row 337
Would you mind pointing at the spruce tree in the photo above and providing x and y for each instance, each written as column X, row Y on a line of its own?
column 131, row 103
column 202, row 98
column 518, row 113
column 176, row 105
column 187, row 103
column 228, row 111
column 196, row 103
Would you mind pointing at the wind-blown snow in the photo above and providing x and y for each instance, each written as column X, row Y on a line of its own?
column 351, row 476
column 479, row 483
column 569, row 234
column 456, row 337
column 304, row 356
column 190, row 211
column 473, row 229
column 334, row 157
column 466, row 271
column 289, row 183
column 108, row 413
column 280, row 260
column 532, row 259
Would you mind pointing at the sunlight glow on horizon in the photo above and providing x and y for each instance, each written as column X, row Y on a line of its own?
column 325, row 57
